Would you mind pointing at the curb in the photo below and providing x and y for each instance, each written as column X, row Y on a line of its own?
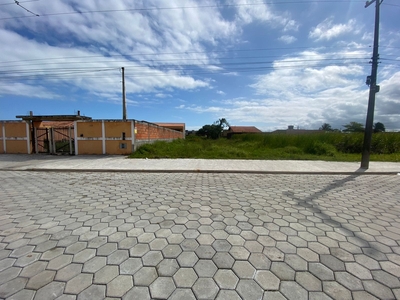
column 358, row 173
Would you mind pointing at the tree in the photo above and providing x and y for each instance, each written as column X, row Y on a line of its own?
column 215, row 130
column 379, row 127
column 353, row 127
column 326, row 127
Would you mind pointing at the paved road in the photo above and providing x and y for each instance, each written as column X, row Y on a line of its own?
column 198, row 236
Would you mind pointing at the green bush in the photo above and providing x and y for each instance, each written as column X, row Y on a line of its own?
column 319, row 148
column 292, row 150
column 326, row 146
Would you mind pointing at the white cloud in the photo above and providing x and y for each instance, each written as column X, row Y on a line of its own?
column 288, row 39
column 309, row 93
column 326, row 30
column 156, row 40
column 254, row 11
column 221, row 93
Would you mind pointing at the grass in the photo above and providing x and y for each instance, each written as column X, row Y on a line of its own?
column 324, row 146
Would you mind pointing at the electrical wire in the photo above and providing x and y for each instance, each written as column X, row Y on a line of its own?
column 179, row 7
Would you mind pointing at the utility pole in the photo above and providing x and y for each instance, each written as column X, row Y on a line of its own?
column 123, row 95
column 373, row 89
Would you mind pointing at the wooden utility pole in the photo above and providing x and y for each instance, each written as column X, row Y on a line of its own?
column 373, row 89
column 123, row 95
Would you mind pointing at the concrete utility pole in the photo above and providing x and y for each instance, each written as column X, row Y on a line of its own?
column 373, row 89
column 123, row 95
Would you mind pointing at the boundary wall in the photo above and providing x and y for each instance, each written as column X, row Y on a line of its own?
column 15, row 137
column 91, row 136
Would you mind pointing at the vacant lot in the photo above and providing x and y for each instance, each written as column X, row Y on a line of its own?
column 324, row 146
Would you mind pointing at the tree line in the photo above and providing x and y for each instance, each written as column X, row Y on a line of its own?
column 354, row 127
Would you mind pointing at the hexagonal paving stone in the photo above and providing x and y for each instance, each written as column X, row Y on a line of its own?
column 94, row 264
column 130, row 266
column 249, row 289
column 33, row 269
column 223, row 260
column 51, row 291
column 377, row 289
column 76, row 247
column 358, row 270
column 239, row 253
column 185, row 277
column 293, row 291
column 187, row 259
column 205, row 268
column 205, row 288
column 167, row 267
column 11, row 287
column 283, row 271
column 41, row 279
column 137, row 293
column 205, row 252
column 68, row 272
column 172, row 251
column 320, row 271
column 222, row 245
column 158, row 244
column 20, row 251
column 119, row 286
column 145, row 276
column 267, row 280
column 349, row 281
column 180, row 294
column 244, row 270
column 106, row 274
column 107, row 249
column 228, row 295
column 335, row 290
column 84, row 255
column 27, row 259
column 226, row 279
column 9, row 274
column 117, row 257
column 189, row 244
column 308, row 281
column 93, row 292
column 78, row 283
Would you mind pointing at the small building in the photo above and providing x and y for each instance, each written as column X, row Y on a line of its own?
column 242, row 130
column 292, row 130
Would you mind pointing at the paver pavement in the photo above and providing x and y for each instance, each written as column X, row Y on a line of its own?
column 198, row 236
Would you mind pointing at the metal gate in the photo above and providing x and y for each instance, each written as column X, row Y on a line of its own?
column 54, row 140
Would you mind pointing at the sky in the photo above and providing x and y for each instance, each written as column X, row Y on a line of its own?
column 267, row 64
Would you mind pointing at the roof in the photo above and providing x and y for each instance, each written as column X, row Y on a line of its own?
column 53, row 118
column 244, row 129
column 176, row 126
column 57, row 124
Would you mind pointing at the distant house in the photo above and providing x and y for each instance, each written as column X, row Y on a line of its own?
column 292, row 130
column 242, row 130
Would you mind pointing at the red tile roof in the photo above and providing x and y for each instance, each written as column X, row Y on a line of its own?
column 244, row 129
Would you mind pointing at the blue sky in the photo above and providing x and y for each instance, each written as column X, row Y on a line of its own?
column 265, row 63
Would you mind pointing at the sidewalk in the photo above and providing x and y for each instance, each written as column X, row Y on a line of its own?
column 122, row 164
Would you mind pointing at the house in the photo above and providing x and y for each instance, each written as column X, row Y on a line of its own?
column 292, row 130
column 242, row 130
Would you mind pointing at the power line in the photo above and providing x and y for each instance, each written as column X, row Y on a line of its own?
column 13, row 3
column 174, row 53
column 179, row 7
column 154, row 60
column 177, row 66
column 158, row 73
column 29, row 11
